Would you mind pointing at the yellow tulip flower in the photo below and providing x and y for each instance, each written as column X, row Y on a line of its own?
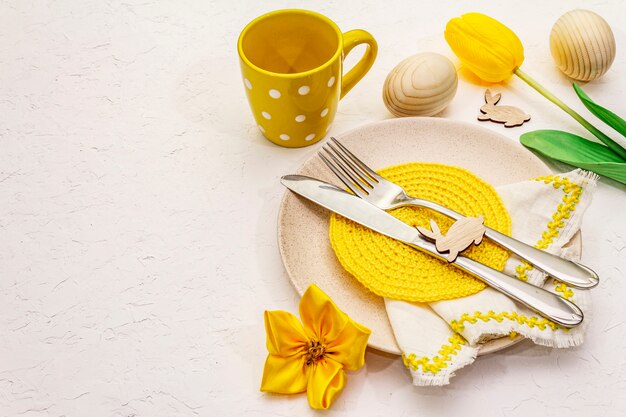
column 312, row 356
column 485, row 46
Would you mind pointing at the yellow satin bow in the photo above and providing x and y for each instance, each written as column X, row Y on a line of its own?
column 312, row 356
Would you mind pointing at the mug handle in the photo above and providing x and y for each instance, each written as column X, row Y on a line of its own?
column 351, row 39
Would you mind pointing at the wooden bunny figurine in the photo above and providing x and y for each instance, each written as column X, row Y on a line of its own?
column 460, row 236
column 509, row 115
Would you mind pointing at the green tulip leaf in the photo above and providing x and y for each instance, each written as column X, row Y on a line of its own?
column 577, row 151
column 607, row 116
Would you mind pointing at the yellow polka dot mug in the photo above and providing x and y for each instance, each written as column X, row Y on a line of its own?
column 291, row 63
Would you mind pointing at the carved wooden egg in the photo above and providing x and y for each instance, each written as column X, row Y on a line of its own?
column 582, row 45
column 422, row 85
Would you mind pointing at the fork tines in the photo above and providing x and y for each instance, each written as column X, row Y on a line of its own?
column 357, row 176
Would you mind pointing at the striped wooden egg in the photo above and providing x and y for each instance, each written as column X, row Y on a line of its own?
column 582, row 45
column 421, row 85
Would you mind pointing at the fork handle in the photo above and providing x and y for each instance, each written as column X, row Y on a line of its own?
column 573, row 273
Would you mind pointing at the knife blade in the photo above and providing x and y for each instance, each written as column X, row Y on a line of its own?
column 547, row 304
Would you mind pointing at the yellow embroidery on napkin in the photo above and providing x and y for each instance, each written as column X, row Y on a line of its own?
column 393, row 270
column 563, row 211
column 566, row 292
column 533, row 321
column 436, row 363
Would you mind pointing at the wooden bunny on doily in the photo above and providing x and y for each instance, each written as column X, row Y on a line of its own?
column 460, row 236
column 509, row 115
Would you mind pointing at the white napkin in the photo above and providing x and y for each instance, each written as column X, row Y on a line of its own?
column 438, row 338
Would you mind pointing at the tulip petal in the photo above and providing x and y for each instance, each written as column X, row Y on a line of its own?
column 285, row 335
column 485, row 46
column 285, row 375
column 503, row 40
column 326, row 380
column 348, row 348
column 321, row 318
column 476, row 58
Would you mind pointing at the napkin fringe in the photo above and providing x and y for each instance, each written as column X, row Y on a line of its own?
column 561, row 341
column 464, row 357
column 586, row 179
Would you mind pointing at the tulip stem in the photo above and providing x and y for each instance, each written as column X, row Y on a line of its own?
column 614, row 146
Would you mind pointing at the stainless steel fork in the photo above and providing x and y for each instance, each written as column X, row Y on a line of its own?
column 384, row 194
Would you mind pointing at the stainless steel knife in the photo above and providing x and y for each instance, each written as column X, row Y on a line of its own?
column 547, row 304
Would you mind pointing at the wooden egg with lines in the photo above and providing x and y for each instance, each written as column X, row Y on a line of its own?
column 421, row 85
column 582, row 45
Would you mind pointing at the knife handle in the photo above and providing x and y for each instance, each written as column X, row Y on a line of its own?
column 575, row 274
column 549, row 305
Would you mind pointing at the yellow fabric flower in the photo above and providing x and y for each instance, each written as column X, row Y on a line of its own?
column 485, row 46
column 312, row 356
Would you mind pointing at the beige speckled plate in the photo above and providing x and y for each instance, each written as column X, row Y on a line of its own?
column 303, row 226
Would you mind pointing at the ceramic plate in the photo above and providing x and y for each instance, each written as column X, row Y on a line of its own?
column 303, row 226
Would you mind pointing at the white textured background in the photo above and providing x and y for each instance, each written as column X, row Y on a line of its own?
column 138, row 210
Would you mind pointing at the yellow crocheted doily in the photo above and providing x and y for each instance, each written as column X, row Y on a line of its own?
column 394, row 270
